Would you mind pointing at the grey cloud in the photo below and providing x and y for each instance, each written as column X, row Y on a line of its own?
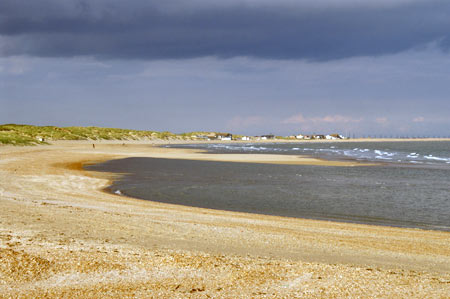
column 185, row 29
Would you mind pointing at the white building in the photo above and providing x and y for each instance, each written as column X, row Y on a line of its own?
column 225, row 137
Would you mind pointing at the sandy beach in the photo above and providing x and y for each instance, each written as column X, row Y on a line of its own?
column 62, row 236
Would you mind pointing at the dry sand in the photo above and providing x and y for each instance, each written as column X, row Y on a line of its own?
column 61, row 236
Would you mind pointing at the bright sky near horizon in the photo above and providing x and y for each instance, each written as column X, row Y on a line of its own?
column 242, row 66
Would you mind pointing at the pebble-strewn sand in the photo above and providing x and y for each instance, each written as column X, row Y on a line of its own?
column 61, row 236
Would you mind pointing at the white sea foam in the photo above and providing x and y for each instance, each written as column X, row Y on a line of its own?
column 386, row 153
column 382, row 153
column 383, row 158
column 430, row 157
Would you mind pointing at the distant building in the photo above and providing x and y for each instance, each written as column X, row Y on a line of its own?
column 337, row 136
column 203, row 137
column 319, row 137
column 245, row 138
column 226, row 136
column 212, row 136
column 265, row 137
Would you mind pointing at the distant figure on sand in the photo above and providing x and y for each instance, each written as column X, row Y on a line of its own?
column 93, row 145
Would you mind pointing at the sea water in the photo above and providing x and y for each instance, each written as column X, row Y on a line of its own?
column 413, row 152
column 410, row 188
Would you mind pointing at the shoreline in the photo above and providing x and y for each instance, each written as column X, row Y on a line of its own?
column 56, row 221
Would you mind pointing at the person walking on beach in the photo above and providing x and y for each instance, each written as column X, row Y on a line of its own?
column 93, row 145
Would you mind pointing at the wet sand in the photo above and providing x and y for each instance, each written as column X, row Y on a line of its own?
column 61, row 235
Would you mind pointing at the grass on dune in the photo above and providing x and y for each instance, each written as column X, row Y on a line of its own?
column 32, row 135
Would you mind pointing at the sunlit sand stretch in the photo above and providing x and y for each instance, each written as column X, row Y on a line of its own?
column 60, row 234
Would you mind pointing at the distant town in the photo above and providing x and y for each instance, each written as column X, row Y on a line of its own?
column 228, row 136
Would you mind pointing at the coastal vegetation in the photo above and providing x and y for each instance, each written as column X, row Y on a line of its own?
column 31, row 135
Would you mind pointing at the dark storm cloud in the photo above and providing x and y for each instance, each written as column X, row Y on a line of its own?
column 184, row 29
